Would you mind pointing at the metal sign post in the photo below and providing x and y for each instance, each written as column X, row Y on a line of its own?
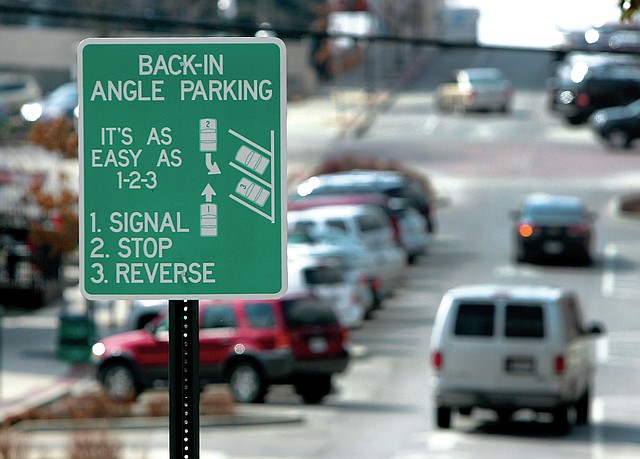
column 184, row 381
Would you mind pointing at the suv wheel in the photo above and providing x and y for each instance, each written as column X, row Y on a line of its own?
column 246, row 383
column 314, row 388
column 119, row 382
column 443, row 417
column 618, row 139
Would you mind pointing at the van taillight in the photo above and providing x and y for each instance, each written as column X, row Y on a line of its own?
column 437, row 360
column 559, row 364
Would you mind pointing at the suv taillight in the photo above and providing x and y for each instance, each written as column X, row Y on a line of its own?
column 559, row 364
column 281, row 339
column 437, row 360
column 344, row 335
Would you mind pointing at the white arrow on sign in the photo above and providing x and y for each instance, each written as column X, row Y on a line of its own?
column 208, row 193
column 212, row 165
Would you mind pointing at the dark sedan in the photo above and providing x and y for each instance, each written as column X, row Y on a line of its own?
column 553, row 227
column 617, row 126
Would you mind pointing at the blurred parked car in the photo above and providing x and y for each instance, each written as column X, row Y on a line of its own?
column 15, row 90
column 249, row 344
column 319, row 269
column 553, row 227
column 142, row 312
column 617, row 126
column 391, row 183
column 409, row 226
column 475, row 89
column 508, row 348
column 368, row 224
column 615, row 36
column 583, row 85
column 325, row 275
column 62, row 102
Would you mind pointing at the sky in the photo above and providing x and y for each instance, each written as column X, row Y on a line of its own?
column 535, row 23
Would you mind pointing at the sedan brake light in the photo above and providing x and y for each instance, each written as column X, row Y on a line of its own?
column 580, row 229
column 526, row 229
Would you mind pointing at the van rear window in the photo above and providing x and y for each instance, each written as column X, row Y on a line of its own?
column 523, row 321
column 475, row 319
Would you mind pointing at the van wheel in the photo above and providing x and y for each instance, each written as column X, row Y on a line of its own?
column 561, row 422
column 443, row 417
column 246, row 383
column 582, row 408
column 504, row 415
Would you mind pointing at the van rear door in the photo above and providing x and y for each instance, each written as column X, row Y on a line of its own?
column 527, row 355
column 499, row 347
column 471, row 359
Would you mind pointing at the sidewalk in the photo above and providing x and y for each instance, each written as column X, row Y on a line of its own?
column 23, row 389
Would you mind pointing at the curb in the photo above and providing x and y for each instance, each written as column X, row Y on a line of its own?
column 245, row 417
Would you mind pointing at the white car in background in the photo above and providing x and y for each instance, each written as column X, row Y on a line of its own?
column 371, row 227
column 326, row 276
column 475, row 89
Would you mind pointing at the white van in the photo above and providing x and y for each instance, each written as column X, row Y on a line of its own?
column 508, row 348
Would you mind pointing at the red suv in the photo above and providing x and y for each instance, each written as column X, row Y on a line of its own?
column 249, row 344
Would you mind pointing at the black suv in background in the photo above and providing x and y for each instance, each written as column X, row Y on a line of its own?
column 586, row 83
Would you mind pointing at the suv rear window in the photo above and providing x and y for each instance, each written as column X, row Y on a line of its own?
column 524, row 321
column 475, row 319
column 306, row 312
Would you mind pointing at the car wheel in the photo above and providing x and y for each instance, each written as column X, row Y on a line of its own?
column 246, row 383
column 119, row 382
column 618, row 139
column 582, row 408
column 313, row 389
column 443, row 417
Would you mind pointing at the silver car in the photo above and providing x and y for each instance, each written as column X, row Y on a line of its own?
column 475, row 89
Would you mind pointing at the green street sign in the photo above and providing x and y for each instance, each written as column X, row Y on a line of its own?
column 182, row 168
